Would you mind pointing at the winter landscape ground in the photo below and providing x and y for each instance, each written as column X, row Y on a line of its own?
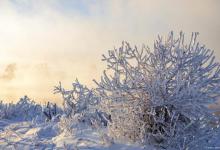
column 145, row 99
column 26, row 135
column 29, row 132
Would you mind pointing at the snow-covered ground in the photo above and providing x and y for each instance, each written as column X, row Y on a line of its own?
column 24, row 126
column 27, row 135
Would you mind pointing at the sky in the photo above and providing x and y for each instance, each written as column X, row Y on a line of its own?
column 43, row 42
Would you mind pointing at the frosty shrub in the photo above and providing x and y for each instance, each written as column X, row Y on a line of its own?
column 80, row 102
column 24, row 109
column 28, row 109
column 7, row 110
column 160, row 95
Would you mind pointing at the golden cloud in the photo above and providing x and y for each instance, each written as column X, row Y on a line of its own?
column 9, row 72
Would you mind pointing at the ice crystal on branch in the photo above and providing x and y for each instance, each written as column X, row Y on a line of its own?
column 161, row 95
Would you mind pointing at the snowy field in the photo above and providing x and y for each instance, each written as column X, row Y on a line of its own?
column 26, row 135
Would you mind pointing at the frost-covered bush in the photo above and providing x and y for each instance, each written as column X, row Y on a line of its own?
column 160, row 95
column 24, row 109
column 80, row 101
column 27, row 109
column 7, row 110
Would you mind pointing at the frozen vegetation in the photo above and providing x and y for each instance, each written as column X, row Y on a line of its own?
column 146, row 99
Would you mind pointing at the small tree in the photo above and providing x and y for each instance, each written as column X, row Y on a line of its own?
column 160, row 96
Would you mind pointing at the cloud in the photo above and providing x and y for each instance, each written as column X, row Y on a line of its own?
column 9, row 72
